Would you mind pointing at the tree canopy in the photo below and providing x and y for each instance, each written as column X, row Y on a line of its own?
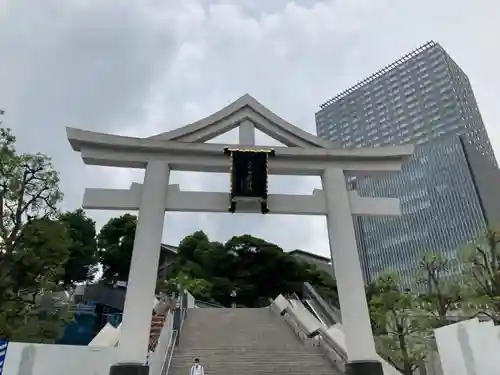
column 441, row 292
column 482, row 273
column 402, row 327
column 115, row 242
column 83, row 257
column 33, row 244
column 403, row 320
column 256, row 269
column 42, row 251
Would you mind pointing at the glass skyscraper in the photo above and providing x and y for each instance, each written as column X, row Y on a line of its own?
column 425, row 99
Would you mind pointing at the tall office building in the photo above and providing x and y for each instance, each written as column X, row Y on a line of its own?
column 425, row 99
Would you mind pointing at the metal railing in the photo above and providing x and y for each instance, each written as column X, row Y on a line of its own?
column 204, row 304
column 321, row 334
column 179, row 317
column 329, row 314
column 317, row 338
column 167, row 360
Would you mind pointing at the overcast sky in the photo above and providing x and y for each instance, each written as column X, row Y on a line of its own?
column 141, row 67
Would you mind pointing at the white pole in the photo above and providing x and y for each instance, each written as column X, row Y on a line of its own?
column 360, row 345
column 136, row 325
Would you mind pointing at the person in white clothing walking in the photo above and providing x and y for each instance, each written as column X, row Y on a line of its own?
column 197, row 369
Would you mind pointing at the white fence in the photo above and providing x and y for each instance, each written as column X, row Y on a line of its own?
column 157, row 358
column 41, row 359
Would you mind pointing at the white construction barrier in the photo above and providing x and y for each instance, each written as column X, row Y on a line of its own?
column 110, row 335
column 469, row 347
column 43, row 359
column 107, row 336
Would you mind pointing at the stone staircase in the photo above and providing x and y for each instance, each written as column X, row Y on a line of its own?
column 157, row 322
column 244, row 341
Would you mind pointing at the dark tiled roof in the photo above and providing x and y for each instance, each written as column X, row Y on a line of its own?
column 165, row 247
column 310, row 255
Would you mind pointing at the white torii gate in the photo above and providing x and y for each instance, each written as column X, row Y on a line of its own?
column 183, row 149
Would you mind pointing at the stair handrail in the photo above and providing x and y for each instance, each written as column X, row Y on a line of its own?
column 169, row 354
column 319, row 336
column 181, row 308
column 161, row 351
column 332, row 312
column 311, row 306
column 332, row 344
column 211, row 304
column 321, row 331
column 183, row 305
column 289, row 311
column 284, row 307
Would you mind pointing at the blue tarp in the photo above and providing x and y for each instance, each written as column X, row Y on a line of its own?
column 80, row 331
column 3, row 353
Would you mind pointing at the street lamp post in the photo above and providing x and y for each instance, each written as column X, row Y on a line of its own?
column 233, row 297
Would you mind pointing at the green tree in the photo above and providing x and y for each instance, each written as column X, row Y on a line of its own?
column 373, row 290
column 83, row 255
column 32, row 245
column 402, row 327
column 198, row 287
column 200, row 259
column 441, row 293
column 197, row 257
column 482, row 273
column 33, row 313
column 39, row 261
column 261, row 270
column 115, row 243
column 256, row 269
column 28, row 189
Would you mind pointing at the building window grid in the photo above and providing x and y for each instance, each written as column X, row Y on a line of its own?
column 448, row 123
column 404, row 249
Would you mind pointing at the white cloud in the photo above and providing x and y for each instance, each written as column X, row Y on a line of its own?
column 140, row 67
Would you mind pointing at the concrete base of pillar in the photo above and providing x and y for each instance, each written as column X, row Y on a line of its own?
column 364, row 368
column 129, row 369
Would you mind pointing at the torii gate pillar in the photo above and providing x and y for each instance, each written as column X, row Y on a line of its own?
column 360, row 344
column 133, row 344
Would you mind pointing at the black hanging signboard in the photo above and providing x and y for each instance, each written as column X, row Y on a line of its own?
column 248, row 177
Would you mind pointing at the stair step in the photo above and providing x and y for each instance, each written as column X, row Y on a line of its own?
column 223, row 354
column 249, row 341
column 284, row 371
column 185, row 371
column 251, row 366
